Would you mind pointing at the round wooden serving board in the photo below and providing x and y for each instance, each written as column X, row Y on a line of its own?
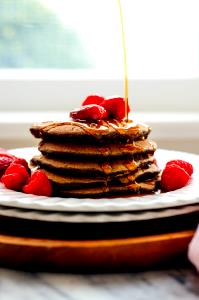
column 93, row 255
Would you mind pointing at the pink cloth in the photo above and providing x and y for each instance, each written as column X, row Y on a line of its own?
column 193, row 251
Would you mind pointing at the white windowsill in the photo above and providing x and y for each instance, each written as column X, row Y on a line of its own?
column 41, row 90
column 88, row 74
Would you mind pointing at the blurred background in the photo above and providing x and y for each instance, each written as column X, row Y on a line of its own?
column 162, row 36
column 54, row 53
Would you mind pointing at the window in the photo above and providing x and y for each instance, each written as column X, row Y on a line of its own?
column 52, row 53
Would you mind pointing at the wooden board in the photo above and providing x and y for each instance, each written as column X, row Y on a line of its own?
column 122, row 254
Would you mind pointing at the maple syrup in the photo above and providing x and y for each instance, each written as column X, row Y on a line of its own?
column 126, row 87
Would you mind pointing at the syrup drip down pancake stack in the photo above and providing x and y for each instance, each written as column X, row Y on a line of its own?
column 96, row 159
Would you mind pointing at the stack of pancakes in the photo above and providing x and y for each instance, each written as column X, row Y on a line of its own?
column 97, row 159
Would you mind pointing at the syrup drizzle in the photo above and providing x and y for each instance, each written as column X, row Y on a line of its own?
column 126, row 86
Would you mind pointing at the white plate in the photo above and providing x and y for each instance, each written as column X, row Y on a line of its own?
column 185, row 196
column 51, row 216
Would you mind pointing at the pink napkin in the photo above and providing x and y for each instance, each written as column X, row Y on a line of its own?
column 193, row 251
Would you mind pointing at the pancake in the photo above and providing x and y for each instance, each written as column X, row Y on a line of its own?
column 140, row 175
column 111, row 150
column 74, row 181
column 103, row 130
column 87, row 167
column 98, row 192
column 96, row 159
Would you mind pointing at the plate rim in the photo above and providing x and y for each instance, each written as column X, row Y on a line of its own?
column 66, row 217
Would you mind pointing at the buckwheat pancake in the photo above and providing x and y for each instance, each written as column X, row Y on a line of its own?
column 90, row 168
column 97, row 192
column 103, row 130
column 97, row 159
column 79, row 182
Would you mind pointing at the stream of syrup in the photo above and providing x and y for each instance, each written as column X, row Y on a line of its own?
column 126, row 86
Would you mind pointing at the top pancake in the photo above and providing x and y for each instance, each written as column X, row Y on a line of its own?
column 100, row 131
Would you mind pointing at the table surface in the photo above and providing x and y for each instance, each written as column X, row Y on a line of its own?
column 161, row 284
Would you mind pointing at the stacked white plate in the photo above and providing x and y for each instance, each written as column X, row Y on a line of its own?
column 117, row 209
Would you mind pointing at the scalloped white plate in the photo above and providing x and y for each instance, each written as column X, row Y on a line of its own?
column 185, row 196
column 64, row 217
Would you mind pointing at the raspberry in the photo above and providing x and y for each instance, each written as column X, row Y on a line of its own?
column 17, row 168
column 89, row 112
column 13, row 181
column 115, row 107
column 39, row 184
column 5, row 161
column 15, row 177
column 21, row 161
column 183, row 164
column 93, row 99
column 5, row 154
column 173, row 178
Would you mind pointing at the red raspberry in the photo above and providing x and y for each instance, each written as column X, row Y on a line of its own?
column 5, row 161
column 17, row 168
column 39, row 184
column 183, row 164
column 115, row 107
column 173, row 178
column 5, row 154
column 15, row 177
column 13, row 181
column 21, row 161
column 93, row 99
column 89, row 112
